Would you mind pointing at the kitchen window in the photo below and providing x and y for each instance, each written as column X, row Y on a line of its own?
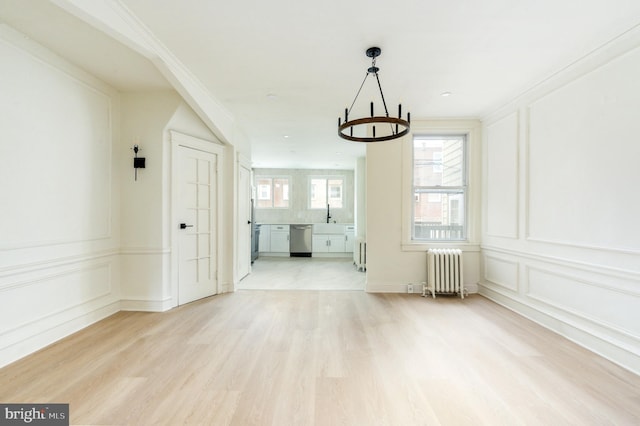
column 272, row 192
column 439, row 188
column 327, row 190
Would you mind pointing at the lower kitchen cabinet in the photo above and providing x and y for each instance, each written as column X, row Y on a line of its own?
column 264, row 242
column 279, row 239
column 322, row 243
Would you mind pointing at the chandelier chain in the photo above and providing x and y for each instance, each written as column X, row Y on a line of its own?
column 357, row 94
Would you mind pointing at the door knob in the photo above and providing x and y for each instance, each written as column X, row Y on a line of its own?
column 184, row 226
column 248, row 222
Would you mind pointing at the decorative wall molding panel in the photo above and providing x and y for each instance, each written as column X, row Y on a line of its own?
column 60, row 269
column 502, row 175
column 65, row 205
column 575, row 268
column 502, row 272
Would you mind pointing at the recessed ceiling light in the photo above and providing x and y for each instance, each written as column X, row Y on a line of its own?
column 445, row 94
column 286, row 136
column 338, row 153
column 272, row 96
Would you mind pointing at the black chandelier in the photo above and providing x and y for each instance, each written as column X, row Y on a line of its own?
column 397, row 126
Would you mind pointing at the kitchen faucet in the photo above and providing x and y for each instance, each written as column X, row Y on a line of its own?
column 328, row 214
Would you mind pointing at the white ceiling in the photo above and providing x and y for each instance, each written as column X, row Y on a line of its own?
column 287, row 69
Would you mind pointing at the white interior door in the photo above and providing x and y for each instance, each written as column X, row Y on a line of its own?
column 244, row 221
column 197, row 209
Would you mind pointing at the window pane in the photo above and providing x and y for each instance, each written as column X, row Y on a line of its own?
column 318, row 191
column 280, row 192
column 272, row 192
column 335, row 193
column 264, row 192
column 438, row 161
column 438, row 215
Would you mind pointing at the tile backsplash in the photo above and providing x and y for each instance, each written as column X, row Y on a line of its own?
column 298, row 210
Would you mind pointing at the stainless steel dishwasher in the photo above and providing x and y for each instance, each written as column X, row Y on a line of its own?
column 300, row 241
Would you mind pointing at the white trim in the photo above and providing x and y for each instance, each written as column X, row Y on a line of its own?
column 584, row 246
column 242, row 162
column 326, row 178
column 605, row 53
column 472, row 130
column 394, row 287
column 146, row 305
column 567, row 263
column 272, row 176
column 518, row 177
column 54, row 263
column 183, row 140
column 602, row 343
column 514, row 289
column 56, row 64
column 48, row 334
column 424, row 246
column 133, row 251
column 115, row 19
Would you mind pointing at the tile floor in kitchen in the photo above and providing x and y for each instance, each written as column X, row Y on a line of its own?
column 303, row 273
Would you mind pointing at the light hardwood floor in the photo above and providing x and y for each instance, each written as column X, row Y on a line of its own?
column 325, row 358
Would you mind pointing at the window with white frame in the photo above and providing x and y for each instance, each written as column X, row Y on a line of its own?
column 272, row 192
column 439, row 188
column 326, row 190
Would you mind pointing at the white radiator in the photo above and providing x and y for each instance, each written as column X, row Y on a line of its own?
column 444, row 272
column 360, row 254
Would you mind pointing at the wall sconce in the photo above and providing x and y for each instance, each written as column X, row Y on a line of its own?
column 138, row 163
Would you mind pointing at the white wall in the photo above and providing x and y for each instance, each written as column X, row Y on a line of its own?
column 561, row 240
column 145, row 246
column 393, row 260
column 59, row 219
column 360, row 205
column 147, row 118
column 80, row 239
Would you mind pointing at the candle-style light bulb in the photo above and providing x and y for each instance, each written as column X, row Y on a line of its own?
column 374, row 131
column 346, row 115
column 372, row 109
column 399, row 110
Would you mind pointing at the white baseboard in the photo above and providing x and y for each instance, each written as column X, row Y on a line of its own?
column 344, row 255
column 382, row 287
column 51, row 335
column 146, row 305
column 578, row 332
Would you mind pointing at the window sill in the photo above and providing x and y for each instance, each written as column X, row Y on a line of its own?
column 465, row 246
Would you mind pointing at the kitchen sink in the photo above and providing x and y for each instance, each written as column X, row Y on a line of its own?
column 328, row 228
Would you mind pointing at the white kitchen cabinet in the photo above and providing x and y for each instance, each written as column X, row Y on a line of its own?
column 279, row 239
column 319, row 243
column 328, row 243
column 264, row 242
column 336, row 244
column 349, row 238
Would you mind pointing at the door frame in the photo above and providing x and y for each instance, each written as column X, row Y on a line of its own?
column 242, row 161
column 212, row 147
